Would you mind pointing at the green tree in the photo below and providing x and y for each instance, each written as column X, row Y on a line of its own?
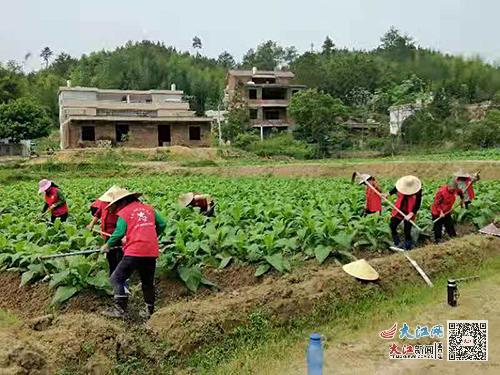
column 46, row 54
column 13, row 84
column 197, row 45
column 23, row 119
column 63, row 64
column 394, row 42
column 328, row 46
column 318, row 118
column 268, row 56
column 226, row 60
column 237, row 120
column 485, row 133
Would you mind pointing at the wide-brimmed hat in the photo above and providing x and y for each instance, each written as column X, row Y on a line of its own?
column 462, row 174
column 43, row 185
column 362, row 270
column 490, row 229
column 119, row 194
column 452, row 184
column 364, row 177
column 109, row 195
column 408, row 185
column 185, row 199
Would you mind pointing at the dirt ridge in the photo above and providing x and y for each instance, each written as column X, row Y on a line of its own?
column 189, row 325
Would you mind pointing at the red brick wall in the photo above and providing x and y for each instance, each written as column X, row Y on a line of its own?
column 142, row 135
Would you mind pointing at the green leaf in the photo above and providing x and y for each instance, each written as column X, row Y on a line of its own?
column 344, row 240
column 262, row 269
column 27, row 277
column 59, row 278
column 276, row 261
column 321, row 253
column 63, row 293
column 225, row 261
column 191, row 276
column 100, row 281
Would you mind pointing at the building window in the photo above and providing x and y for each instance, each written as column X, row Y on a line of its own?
column 252, row 94
column 88, row 133
column 272, row 115
column 194, row 133
column 253, row 114
column 122, row 132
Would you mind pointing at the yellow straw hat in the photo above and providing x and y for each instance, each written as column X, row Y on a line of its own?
column 361, row 269
column 185, row 199
column 120, row 193
column 408, row 185
column 108, row 196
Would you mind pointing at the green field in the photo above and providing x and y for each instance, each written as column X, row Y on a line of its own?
column 271, row 223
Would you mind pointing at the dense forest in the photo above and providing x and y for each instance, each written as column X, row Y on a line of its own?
column 367, row 83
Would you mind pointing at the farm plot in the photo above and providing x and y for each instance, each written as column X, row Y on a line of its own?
column 267, row 222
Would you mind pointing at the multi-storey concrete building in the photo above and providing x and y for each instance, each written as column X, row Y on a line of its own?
column 267, row 94
column 134, row 118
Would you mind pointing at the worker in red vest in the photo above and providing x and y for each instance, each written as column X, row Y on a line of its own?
column 465, row 183
column 54, row 200
column 409, row 199
column 442, row 209
column 141, row 224
column 203, row 201
column 373, row 200
column 99, row 210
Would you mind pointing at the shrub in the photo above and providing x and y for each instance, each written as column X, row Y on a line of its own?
column 281, row 145
column 484, row 133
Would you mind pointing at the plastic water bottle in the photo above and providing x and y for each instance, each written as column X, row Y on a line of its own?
column 315, row 355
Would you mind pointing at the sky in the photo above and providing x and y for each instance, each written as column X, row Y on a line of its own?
column 461, row 27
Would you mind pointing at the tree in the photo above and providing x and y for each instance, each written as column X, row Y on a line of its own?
column 226, row 60
column 237, row 119
column 396, row 44
column 485, row 133
column 328, row 46
column 197, row 45
column 23, row 119
column 63, row 64
column 269, row 55
column 317, row 116
column 12, row 83
column 46, row 54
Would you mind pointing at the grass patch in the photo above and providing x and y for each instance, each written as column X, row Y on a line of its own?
column 7, row 318
column 259, row 343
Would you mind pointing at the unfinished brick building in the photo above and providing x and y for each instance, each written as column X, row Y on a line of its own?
column 267, row 94
column 90, row 116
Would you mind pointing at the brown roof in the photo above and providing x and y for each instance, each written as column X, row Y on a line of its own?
column 272, row 73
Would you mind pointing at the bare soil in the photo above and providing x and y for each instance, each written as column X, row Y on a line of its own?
column 80, row 339
column 188, row 325
column 490, row 169
column 363, row 352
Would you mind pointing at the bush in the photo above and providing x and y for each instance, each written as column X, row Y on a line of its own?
column 281, row 145
column 244, row 140
column 485, row 133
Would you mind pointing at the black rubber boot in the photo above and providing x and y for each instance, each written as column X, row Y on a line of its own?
column 118, row 310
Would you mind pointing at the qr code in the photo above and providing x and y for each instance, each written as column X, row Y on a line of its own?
column 467, row 340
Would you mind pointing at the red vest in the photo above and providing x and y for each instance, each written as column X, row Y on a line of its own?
column 51, row 198
column 410, row 201
column 470, row 190
column 142, row 240
column 373, row 201
column 108, row 219
column 443, row 201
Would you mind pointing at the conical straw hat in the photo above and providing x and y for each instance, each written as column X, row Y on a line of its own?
column 361, row 269
column 461, row 173
column 408, row 185
column 108, row 196
column 491, row 230
column 185, row 199
column 364, row 177
column 119, row 194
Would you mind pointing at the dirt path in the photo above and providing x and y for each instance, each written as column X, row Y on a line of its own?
column 365, row 353
column 425, row 169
